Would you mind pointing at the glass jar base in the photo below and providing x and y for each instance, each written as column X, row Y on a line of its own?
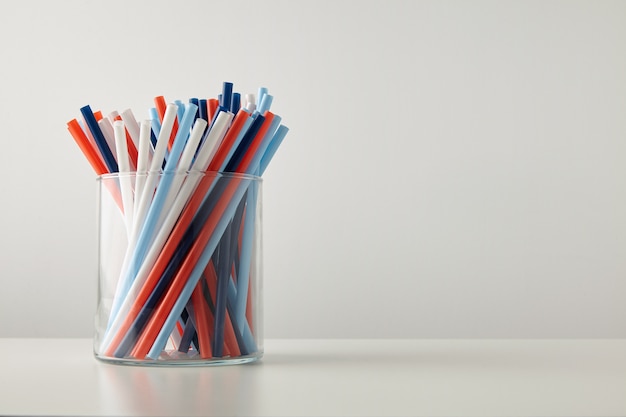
column 175, row 358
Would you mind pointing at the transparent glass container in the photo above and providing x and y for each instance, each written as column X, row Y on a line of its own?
column 179, row 269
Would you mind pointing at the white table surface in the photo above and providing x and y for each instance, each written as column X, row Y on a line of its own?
column 327, row 377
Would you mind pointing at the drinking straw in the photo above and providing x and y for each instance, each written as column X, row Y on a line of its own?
column 132, row 126
column 242, row 149
column 203, row 111
column 83, row 126
column 189, row 335
column 245, row 257
column 246, row 332
column 156, row 164
column 272, row 147
column 181, row 108
column 223, row 258
column 198, row 256
column 262, row 92
column 265, row 103
column 203, row 315
column 250, row 103
column 212, row 105
column 171, row 179
column 195, row 102
column 105, row 151
column 146, row 277
column 107, row 131
column 227, row 95
column 124, row 165
column 156, row 125
column 112, row 116
column 143, row 158
column 86, row 147
column 159, row 103
column 231, row 149
column 145, row 199
column 209, row 290
column 130, row 145
column 236, row 103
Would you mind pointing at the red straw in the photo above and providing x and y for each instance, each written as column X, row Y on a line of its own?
column 212, row 105
column 92, row 155
column 160, row 105
column 203, row 317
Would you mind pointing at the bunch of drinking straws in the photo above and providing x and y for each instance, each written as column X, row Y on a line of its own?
column 179, row 219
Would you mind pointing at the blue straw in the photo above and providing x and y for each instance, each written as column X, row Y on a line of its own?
column 156, row 124
column 265, row 103
column 227, row 95
column 189, row 335
column 262, row 92
column 222, row 260
column 196, row 102
column 236, row 104
column 248, row 337
column 273, row 146
column 153, row 137
column 203, row 111
column 245, row 258
column 98, row 136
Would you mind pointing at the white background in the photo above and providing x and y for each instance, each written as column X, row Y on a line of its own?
column 453, row 169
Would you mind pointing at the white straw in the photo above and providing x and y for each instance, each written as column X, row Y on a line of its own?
column 124, row 171
column 155, row 168
column 143, row 154
column 132, row 126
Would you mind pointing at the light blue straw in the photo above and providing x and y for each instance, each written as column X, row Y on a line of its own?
column 181, row 109
column 248, row 337
column 155, row 122
column 262, row 92
column 271, row 149
column 245, row 257
column 265, row 103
